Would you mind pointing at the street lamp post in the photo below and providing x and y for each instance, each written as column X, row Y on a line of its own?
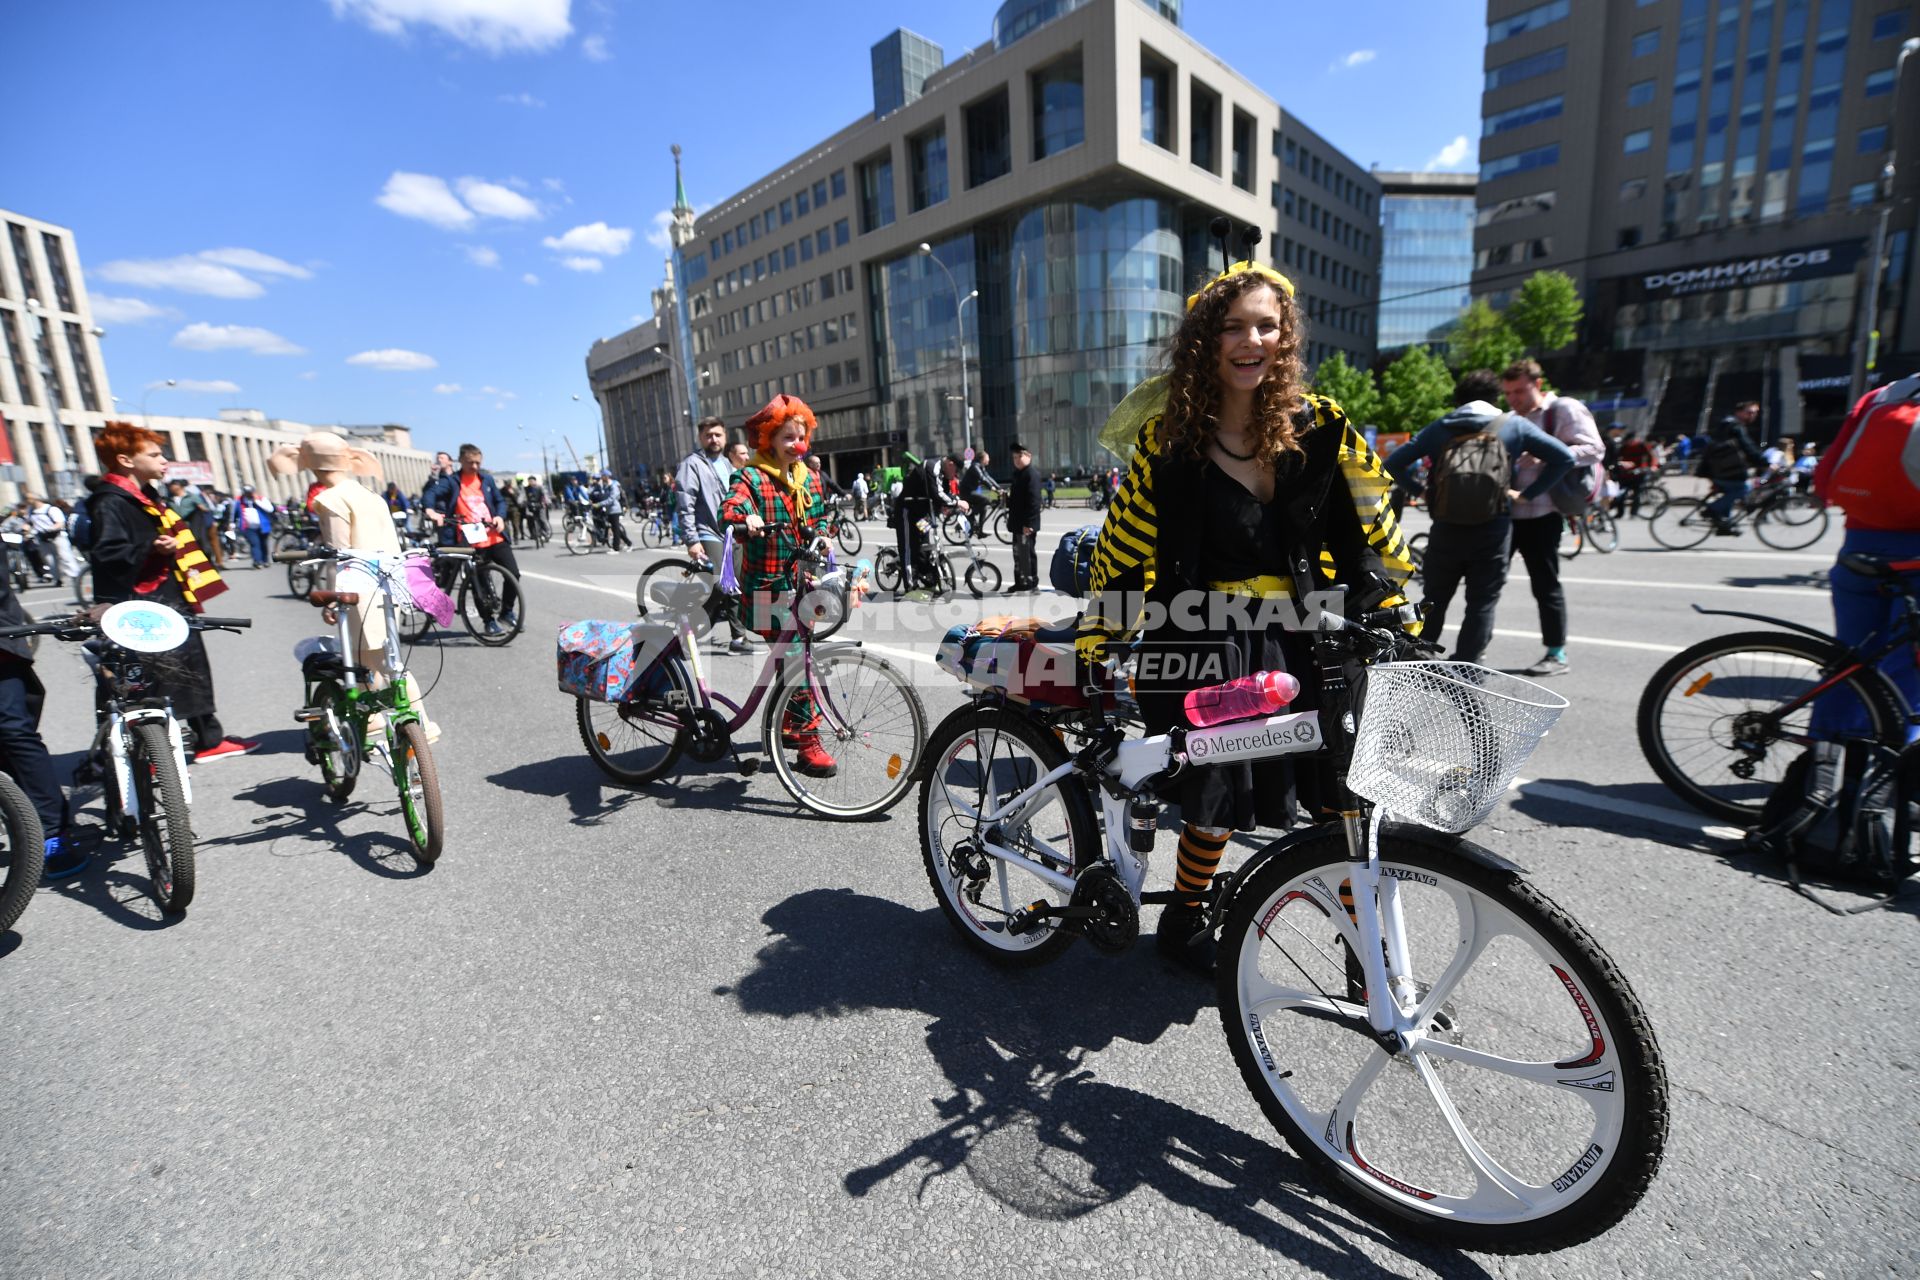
column 960, row 326
column 1870, row 302
column 153, row 387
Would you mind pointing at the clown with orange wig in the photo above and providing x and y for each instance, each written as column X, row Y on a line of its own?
column 779, row 504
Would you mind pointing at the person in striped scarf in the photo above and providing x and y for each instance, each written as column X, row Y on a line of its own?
column 141, row 549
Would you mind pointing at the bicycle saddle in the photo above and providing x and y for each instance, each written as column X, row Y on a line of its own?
column 1872, row 566
column 321, row 599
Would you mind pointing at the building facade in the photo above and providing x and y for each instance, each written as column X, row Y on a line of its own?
column 633, row 380
column 53, row 383
column 1708, row 171
column 1062, row 177
column 1426, row 256
column 232, row 449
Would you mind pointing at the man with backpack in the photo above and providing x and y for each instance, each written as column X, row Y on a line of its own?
column 1470, row 497
column 1730, row 458
column 1538, row 521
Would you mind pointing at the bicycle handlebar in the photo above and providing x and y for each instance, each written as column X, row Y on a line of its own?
column 81, row 627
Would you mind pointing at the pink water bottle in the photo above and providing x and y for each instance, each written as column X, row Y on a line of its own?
column 1260, row 694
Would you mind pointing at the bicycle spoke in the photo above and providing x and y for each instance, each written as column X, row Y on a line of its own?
column 1490, row 1174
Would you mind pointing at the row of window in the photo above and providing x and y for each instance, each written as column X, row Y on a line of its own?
column 1324, row 220
column 1521, row 162
column 1322, row 312
column 829, row 377
column 1314, row 263
column 787, row 258
column 797, row 205
column 1872, row 140
column 772, row 307
column 1541, row 15
column 1501, row 255
column 56, row 252
column 1205, row 111
column 1301, row 159
column 821, row 333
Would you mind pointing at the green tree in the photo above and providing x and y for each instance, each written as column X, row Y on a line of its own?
column 1545, row 313
column 1482, row 339
column 1414, row 390
column 1350, row 388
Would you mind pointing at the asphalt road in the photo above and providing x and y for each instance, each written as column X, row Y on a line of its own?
column 688, row 1031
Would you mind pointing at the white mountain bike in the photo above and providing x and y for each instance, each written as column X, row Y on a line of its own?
column 1428, row 1031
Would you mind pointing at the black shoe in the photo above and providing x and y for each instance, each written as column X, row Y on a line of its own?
column 1183, row 937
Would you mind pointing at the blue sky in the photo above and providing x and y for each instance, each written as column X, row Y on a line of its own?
column 424, row 211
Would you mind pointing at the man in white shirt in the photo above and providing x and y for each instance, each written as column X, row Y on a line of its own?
column 48, row 524
column 1537, row 523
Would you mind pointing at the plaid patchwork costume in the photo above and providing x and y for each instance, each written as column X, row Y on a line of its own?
column 769, row 554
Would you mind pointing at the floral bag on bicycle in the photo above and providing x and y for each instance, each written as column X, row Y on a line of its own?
column 1026, row 659
column 602, row 660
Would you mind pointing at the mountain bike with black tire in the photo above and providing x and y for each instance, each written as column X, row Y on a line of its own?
column 23, row 853
column 538, row 527
column 887, row 575
column 866, row 713
column 349, row 721
column 1784, row 517
column 1436, row 1040
column 149, row 793
column 1721, row 720
column 479, row 590
column 844, row 530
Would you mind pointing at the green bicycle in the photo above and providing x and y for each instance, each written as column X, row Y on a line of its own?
column 341, row 706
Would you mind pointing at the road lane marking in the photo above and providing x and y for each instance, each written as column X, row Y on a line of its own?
column 1576, row 641
column 1666, row 817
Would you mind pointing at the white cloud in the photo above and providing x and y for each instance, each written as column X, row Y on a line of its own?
column 499, row 405
column 218, row 386
column 502, row 394
column 1451, row 156
column 309, row 375
column 446, row 388
column 261, row 264
column 521, row 99
column 657, row 233
column 594, row 237
column 529, row 278
column 594, row 49
column 554, row 184
column 234, row 337
column 480, row 255
column 494, row 26
column 426, row 198
column 185, row 274
column 491, row 200
column 1358, row 58
column 581, row 264
column 394, row 360
column 108, row 309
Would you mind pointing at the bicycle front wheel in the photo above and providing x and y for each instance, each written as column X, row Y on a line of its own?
column 983, row 578
column 1715, row 723
column 980, row 758
column 418, row 779
column 1603, row 534
column 491, row 604
column 1791, row 523
column 25, row 851
column 956, row 528
column 166, row 828
column 1528, row 1114
column 302, row 577
column 848, row 535
column 886, row 570
column 1002, row 527
column 1682, row 523
column 866, row 717
column 1576, row 539
column 578, row 541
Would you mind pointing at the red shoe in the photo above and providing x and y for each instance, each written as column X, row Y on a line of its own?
column 223, row 748
column 792, row 736
column 812, row 758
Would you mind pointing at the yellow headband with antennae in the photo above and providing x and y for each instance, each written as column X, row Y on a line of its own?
column 1268, row 274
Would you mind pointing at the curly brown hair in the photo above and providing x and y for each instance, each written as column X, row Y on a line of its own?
column 1193, row 383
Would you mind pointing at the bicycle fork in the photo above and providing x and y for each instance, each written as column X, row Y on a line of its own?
column 1392, row 998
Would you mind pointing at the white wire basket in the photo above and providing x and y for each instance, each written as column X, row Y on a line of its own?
column 1440, row 742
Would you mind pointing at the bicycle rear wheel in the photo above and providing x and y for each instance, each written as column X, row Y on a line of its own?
column 25, row 851
column 848, row 535
column 886, row 569
column 636, row 741
column 1530, row 1114
column 981, row 757
column 166, row 827
column 956, row 528
column 483, row 609
column 1603, row 534
column 419, row 781
column 578, row 540
column 1682, row 523
column 868, row 719
column 329, row 743
column 302, row 577
column 1576, row 530
column 1002, row 527
column 1711, row 719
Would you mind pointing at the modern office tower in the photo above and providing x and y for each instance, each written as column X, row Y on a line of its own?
column 53, row 384
column 1710, row 172
column 1063, row 175
column 1426, row 255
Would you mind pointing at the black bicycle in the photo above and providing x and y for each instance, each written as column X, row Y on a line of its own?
column 1721, row 720
column 486, row 595
column 1785, row 517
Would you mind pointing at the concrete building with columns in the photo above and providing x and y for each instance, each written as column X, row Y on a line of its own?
column 232, row 449
column 53, row 383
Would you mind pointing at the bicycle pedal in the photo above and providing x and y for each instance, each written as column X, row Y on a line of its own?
column 307, row 715
column 1028, row 918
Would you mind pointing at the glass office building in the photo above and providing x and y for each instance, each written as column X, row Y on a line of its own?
column 1426, row 255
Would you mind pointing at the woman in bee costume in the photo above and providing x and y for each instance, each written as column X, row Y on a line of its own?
column 1243, row 491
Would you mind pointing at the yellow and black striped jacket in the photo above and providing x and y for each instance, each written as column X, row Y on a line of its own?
column 1350, row 525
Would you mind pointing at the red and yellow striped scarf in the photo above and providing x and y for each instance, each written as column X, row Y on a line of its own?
column 190, row 568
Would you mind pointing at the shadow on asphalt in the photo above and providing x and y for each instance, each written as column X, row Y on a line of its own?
column 1028, row 1121
column 575, row 779
column 304, row 814
column 1816, row 580
column 1603, row 816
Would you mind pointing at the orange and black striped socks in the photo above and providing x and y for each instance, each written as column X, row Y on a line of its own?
column 1200, row 849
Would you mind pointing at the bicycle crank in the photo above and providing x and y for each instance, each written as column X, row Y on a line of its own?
column 706, row 737
column 1101, row 910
